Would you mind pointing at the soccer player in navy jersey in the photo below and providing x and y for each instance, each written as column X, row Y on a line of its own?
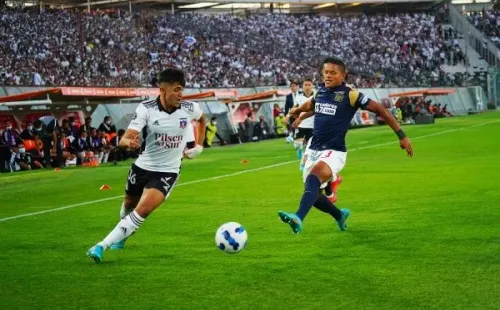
column 334, row 106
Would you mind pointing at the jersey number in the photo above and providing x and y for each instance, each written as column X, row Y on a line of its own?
column 326, row 155
column 131, row 177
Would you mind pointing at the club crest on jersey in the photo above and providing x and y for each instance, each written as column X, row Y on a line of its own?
column 183, row 123
column 339, row 96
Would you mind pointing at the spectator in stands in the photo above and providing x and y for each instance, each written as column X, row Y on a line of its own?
column 229, row 50
column 22, row 160
column 27, row 134
column 276, row 111
column 45, row 129
column 107, row 125
column 80, row 146
column 262, row 130
column 10, row 136
column 69, row 158
column 73, row 127
column 67, row 130
column 96, row 144
column 248, row 127
column 211, row 133
column 87, row 127
column 4, row 154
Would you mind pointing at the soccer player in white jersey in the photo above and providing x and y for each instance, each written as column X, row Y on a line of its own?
column 164, row 125
column 305, row 129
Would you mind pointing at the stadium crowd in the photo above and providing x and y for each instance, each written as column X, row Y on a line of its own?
column 62, row 47
column 80, row 144
column 488, row 21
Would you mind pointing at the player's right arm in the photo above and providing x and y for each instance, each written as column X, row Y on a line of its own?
column 359, row 100
column 305, row 107
column 131, row 137
column 302, row 117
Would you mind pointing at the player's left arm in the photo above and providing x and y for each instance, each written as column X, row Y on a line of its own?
column 202, row 127
column 359, row 100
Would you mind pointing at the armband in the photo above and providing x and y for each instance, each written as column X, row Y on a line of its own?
column 400, row 133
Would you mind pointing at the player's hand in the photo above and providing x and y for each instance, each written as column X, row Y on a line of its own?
column 296, row 123
column 133, row 143
column 406, row 145
column 195, row 151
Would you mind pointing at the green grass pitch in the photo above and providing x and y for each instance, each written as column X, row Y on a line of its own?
column 424, row 232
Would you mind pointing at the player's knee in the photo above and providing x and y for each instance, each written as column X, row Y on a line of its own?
column 322, row 171
column 151, row 199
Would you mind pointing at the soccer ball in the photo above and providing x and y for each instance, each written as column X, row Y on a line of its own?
column 231, row 237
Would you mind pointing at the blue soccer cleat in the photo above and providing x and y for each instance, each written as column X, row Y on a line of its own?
column 118, row 245
column 291, row 219
column 96, row 253
column 342, row 222
column 299, row 153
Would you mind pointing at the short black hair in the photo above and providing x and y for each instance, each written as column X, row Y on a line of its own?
column 307, row 80
column 37, row 123
column 335, row 61
column 213, row 118
column 294, row 82
column 172, row 76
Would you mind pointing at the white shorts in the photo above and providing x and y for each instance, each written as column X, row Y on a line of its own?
column 334, row 159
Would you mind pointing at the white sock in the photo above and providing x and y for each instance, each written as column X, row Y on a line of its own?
column 297, row 144
column 124, row 229
column 101, row 157
column 124, row 212
column 106, row 155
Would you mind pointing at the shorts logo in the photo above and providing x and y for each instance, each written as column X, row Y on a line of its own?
column 183, row 123
column 166, row 186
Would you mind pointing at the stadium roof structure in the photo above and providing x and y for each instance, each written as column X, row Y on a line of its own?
column 425, row 92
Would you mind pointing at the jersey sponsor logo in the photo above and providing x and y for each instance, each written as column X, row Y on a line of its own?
column 183, row 123
column 167, row 142
column 326, row 108
column 188, row 106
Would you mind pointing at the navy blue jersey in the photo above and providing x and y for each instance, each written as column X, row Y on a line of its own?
column 334, row 109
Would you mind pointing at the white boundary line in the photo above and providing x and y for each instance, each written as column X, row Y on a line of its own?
column 234, row 174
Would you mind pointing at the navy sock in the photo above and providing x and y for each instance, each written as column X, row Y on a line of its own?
column 328, row 189
column 323, row 204
column 310, row 195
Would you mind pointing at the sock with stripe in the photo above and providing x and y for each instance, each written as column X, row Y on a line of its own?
column 126, row 227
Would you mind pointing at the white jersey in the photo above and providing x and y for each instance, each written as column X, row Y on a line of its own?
column 308, row 122
column 165, row 134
